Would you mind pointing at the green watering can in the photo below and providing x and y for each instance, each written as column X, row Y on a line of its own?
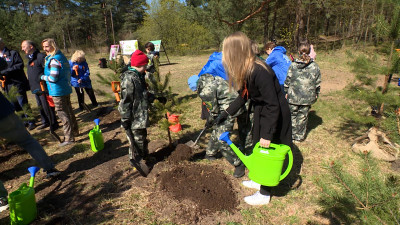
column 22, row 202
column 264, row 164
column 96, row 138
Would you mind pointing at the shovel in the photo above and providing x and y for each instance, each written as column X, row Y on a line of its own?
column 193, row 144
column 47, row 110
column 116, row 88
column 137, row 162
column 83, row 104
column 86, row 107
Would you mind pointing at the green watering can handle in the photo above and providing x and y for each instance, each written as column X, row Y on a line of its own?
column 289, row 167
column 290, row 164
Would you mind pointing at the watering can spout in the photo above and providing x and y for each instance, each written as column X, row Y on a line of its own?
column 225, row 137
column 33, row 170
column 97, row 121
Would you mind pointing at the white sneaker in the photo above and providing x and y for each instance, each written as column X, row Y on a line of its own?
column 257, row 199
column 251, row 184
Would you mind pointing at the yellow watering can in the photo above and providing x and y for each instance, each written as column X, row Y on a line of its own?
column 264, row 164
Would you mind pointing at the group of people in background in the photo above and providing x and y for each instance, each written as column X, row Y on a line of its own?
column 50, row 76
column 269, row 98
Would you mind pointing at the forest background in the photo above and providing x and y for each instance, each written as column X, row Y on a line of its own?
column 188, row 26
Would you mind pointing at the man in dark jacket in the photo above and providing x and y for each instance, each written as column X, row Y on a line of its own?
column 35, row 69
column 14, row 76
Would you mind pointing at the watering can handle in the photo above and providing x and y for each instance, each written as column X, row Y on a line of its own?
column 289, row 166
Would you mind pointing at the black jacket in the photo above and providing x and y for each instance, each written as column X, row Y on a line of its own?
column 35, row 69
column 271, row 110
column 15, row 75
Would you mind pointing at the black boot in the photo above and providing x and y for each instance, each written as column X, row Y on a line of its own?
column 239, row 170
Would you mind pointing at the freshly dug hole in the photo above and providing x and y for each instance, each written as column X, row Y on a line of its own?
column 205, row 185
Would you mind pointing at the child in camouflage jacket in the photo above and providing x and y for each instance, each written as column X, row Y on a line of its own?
column 302, row 86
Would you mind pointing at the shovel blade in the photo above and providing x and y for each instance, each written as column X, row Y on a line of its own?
column 190, row 143
column 141, row 167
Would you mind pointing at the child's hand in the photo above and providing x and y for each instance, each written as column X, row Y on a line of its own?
column 265, row 143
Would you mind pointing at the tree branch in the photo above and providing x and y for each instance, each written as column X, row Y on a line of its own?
column 247, row 17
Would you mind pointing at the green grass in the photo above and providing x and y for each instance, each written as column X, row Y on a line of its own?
column 329, row 140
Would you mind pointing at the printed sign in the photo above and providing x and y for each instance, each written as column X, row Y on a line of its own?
column 157, row 45
column 114, row 51
column 128, row 47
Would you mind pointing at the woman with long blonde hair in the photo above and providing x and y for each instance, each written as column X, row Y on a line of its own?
column 256, row 81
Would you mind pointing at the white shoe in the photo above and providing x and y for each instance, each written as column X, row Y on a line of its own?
column 257, row 199
column 251, row 184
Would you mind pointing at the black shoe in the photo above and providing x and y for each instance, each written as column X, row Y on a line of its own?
column 31, row 126
column 52, row 173
column 3, row 204
column 210, row 157
column 239, row 171
column 43, row 126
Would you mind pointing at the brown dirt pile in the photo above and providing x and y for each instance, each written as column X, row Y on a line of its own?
column 182, row 153
column 206, row 186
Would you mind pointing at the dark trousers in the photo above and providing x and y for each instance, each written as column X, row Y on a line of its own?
column 22, row 105
column 47, row 113
column 81, row 96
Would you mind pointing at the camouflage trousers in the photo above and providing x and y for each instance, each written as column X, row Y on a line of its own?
column 299, row 116
column 245, row 126
column 215, row 145
column 139, row 142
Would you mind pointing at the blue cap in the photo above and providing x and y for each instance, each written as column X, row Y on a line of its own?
column 192, row 82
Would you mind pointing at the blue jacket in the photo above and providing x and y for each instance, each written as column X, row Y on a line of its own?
column 62, row 86
column 83, row 74
column 214, row 66
column 279, row 62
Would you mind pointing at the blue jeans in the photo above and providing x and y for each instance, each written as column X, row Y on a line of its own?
column 12, row 129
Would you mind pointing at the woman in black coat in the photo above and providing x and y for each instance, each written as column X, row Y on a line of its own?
column 256, row 81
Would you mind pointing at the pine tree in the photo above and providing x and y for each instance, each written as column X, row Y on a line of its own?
column 161, row 90
column 369, row 198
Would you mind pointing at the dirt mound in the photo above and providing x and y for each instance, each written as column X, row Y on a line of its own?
column 207, row 187
column 109, row 117
column 182, row 153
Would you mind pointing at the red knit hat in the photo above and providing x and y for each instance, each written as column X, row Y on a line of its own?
column 138, row 58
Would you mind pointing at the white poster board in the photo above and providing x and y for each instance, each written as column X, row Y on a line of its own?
column 114, row 51
column 128, row 47
column 157, row 45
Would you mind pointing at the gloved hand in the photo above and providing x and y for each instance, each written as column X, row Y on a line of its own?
column 221, row 117
column 126, row 124
column 209, row 121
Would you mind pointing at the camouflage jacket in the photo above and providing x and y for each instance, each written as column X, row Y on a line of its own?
column 215, row 94
column 150, row 66
column 302, row 83
column 134, row 103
